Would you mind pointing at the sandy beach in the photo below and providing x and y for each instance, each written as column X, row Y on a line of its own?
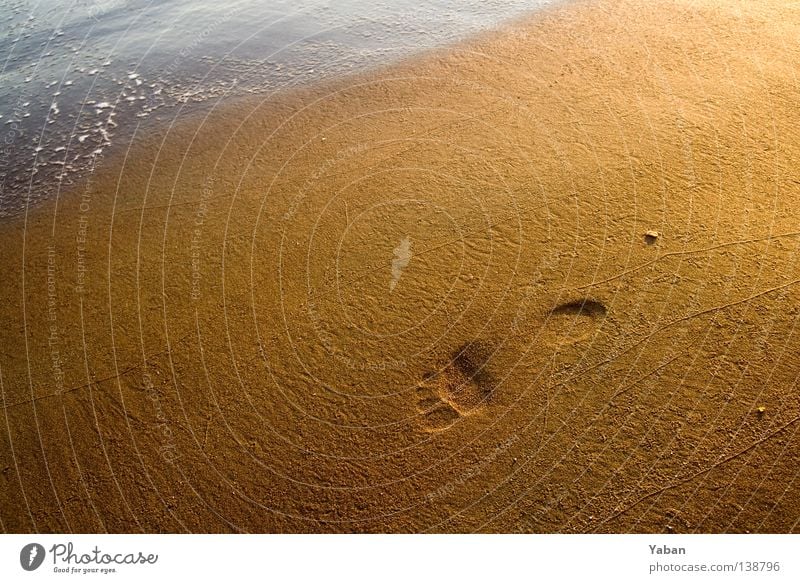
column 545, row 280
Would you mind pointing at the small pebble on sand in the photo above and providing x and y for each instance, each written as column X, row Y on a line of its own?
column 650, row 237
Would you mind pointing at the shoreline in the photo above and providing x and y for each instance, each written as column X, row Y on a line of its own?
column 164, row 112
column 541, row 281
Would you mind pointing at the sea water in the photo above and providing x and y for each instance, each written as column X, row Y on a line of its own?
column 77, row 73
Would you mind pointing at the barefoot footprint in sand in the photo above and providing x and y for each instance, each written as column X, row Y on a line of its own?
column 461, row 388
column 573, row 321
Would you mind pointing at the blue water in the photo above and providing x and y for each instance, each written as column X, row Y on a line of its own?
column 77, row 74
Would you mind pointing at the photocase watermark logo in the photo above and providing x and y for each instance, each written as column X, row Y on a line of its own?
column 402, row 257
column 67, row 559
column 31, row 556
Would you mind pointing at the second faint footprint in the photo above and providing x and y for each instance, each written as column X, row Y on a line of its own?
column 573, row 321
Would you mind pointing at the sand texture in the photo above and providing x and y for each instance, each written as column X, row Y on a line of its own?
column 543, row 281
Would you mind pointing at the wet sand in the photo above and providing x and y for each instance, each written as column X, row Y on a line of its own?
column 424, row 299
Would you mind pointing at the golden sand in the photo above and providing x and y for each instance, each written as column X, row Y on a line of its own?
column 542, row 281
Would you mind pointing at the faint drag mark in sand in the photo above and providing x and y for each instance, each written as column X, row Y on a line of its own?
column 460, row 389
column 680, row 481
column 402, row 257
column 573, row 321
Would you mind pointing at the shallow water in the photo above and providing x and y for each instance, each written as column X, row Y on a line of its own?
column 76, row 74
